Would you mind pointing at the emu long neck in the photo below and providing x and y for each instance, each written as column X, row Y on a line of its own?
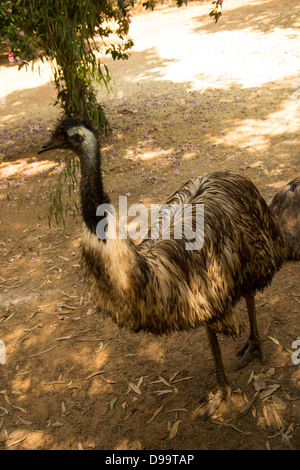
column 91, row 186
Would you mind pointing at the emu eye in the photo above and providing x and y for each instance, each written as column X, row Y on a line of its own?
column 61, row 137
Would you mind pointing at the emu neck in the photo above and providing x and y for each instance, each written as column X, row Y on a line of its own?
column 91, row 186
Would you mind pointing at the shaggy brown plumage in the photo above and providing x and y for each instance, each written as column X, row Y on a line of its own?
column 158, row 285
column 286, row 207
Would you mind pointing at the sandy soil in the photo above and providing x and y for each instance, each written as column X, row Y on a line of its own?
column 193, row 97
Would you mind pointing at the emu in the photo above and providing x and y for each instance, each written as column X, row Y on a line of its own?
column 285, row 205
column 158, row 286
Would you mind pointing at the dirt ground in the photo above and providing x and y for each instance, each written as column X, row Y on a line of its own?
column 193, row 97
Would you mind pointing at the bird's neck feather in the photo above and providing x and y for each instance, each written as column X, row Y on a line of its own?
column 92, row 193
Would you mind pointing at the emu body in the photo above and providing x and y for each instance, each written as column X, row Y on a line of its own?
column 159, row 286
column 286, row 207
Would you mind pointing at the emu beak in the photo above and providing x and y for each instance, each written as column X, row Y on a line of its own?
column 50, row 145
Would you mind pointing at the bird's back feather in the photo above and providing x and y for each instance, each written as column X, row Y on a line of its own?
column 286, row 207
column 159, row 286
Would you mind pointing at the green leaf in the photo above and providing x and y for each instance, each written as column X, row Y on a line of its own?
column 112, row 403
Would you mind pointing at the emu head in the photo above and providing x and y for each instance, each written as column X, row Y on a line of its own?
column 75, row 134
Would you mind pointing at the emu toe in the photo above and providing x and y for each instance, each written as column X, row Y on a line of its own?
column 249, row 350
column 216, row 401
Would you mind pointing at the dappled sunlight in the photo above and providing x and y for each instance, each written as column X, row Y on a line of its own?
column 280, row 183
column 30, row 440
column 263, row 16
column 204, row 64
column 189, row 155
column 21, row 115
column 26, row 78
column 21, row 384
column 36, row 439
column 243, row 55
column 221, row 60
column 24, row 168
column 261, row 133
column 152, row 155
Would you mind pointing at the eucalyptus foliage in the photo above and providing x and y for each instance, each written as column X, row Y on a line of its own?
column 71, row 35
column 215, row 12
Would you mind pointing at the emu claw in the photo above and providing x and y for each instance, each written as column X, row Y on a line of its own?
column 222, row 394
column 248, row 350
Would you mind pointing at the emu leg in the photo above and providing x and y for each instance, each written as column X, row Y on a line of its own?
column 224, row 393
column 254, row 343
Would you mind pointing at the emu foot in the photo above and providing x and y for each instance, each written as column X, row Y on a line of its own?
column 248, row 351
column 216, row 400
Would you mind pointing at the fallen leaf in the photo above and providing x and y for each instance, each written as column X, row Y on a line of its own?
column 250, row 378
column 65, row 259
column 278, row 420
column 108, row 380
column 140, row 381
column 245, row 398
column 56, row 382
column 135, row 388
column 162, row 392
column 93, row 375
column 278, row 403
column 183, row 379
column 42, row 352
column 57, row 424
column 174, row 429
column 269, row 373
column 289, row 429
column 112, row 403
column 259, row 383
column 174, row 375
column 286, row 440
column 7, row 399
column 8, row 318
column 266, row 415
column 16, row 442
column 229, row 425
column 164, row 381
column 156, row 412
column 23, row 421
column 176, row 410
column 274, row 340
column 101, row 347
column 269, row 391
column 19, row 408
